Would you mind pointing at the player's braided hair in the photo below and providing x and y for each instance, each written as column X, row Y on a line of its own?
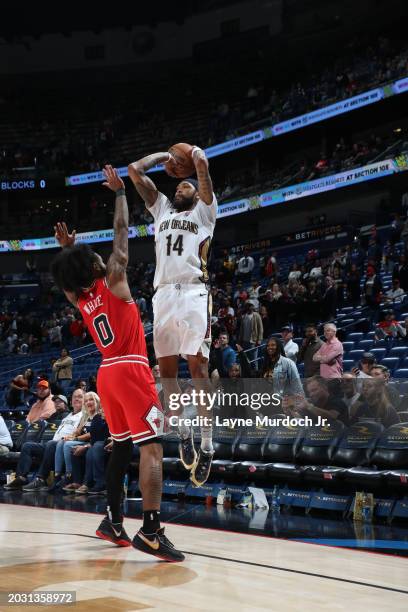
column 73, row 268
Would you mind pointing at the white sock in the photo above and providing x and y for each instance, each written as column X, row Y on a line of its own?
column 206, row 439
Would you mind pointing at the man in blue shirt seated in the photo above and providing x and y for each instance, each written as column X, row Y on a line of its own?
column 228, row 354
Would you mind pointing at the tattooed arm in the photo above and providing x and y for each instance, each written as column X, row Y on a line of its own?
column 144, row 185
column 205, row 187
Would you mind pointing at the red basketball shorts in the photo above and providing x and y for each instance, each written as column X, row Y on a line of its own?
column 129, row 398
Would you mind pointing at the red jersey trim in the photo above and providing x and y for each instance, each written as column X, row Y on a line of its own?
column 118, row 357
column 107, row 365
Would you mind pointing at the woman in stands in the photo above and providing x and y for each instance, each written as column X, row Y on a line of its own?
column 93, row 451
column 77, row 400
column 374, row 404
column 81, row 435
column 19, row 388
column 279, row 370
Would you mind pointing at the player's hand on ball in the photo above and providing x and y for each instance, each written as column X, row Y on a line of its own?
column 62, row 236
column 113, row 180
column 172, row 167
column 198, row 155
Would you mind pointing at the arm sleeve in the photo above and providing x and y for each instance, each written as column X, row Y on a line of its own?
column 161, row 205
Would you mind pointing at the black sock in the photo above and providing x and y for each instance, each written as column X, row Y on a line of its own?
column 151, row 521
column 117, row 467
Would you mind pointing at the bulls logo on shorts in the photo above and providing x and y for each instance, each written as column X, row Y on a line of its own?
column 155, row 419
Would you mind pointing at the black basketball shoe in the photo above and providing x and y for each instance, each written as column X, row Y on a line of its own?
column 158, row 545
column 202, row 467
column 187, row 451
column 113, row 532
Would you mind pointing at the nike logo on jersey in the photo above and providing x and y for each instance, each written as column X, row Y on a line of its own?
column 154, row 544
column 202, row 294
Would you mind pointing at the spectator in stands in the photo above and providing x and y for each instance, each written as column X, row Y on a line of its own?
column 374, row 404
column 280, row 370
column 245, row 266
column 81, row 435
column 228, row 355
column 44, row 452
column 253, row 294
column 353, row 278
column 329, row 300
column 91, row 383
column 44, row 407
column 295, row 273
column 350, row 390
column 55, row 334
column 266, row 322
column 396, row 293
column 330, row 354
column 400, row 272
column 388, row 327
column 78, row 407
column 313, row 301
column 372, row 292
column 290, row 347
column 6, row 443
column 88, row 460
column 321, row 402
column 316, row 271
column 310, row 345
column 62, row 370
column 381, row 372
column 82, row 384
column 251, row 330
column 19, row 388
column 78, row 330
column 363, row 370
column 271, row 269
column 141, row 302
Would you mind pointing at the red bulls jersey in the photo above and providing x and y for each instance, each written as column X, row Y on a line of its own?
column 114, row 324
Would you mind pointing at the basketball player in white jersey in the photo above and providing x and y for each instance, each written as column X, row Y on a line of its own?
column 181, row 305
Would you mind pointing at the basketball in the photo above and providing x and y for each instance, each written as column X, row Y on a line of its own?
column 185, row 165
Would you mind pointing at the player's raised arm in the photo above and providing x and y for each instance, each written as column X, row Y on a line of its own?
column 137, row 173
column 118, row 261
column 205, row 186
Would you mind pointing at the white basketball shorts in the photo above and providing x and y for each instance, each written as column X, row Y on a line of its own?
column 182, row 320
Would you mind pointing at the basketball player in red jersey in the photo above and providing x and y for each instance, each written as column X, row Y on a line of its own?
column 125, row 383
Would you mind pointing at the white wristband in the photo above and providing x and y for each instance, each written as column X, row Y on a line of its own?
column 193, row 150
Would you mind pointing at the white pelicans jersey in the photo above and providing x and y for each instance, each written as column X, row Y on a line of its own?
column 182, row 241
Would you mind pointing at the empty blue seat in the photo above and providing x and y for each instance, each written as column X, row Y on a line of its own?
column 348, row 346
column 348, row 364
column 366, row 345
column 356, row 336
column 356, row 355
column 398, row 351
column 401, row 373
column 379, row 353
column 391, row 363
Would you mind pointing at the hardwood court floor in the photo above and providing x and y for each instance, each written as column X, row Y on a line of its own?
column 48, row 549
